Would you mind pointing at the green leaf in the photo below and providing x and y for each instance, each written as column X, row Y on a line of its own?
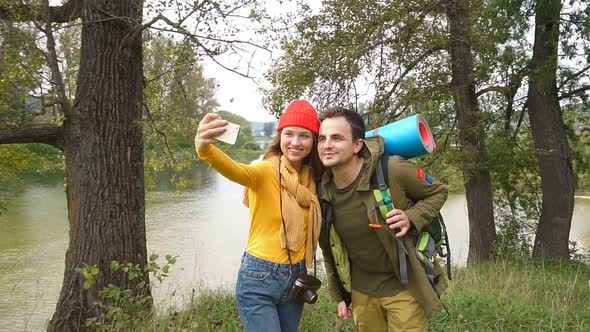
column 115, row 265
column 88, row 283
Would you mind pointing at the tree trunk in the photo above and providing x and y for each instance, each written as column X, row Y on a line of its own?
column 478, row 187
column 103, row 145
column 550, row 137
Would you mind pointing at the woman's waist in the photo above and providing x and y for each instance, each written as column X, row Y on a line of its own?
column 252, row 259
column 273, row 253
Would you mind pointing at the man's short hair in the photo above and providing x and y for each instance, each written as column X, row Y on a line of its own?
column 355, row 120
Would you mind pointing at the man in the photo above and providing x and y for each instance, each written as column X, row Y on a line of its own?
column 360, row 251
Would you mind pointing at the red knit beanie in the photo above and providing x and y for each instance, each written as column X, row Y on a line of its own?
column 300, row 113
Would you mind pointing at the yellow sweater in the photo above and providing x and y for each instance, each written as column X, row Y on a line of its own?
column 262, row 178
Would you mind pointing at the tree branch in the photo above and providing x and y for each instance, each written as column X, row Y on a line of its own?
column 510, row 89
column 51, row 135
column 21, row 12
column 166, row 150
column 525, row 107
column 574, row 92
column 53, row 63
column 384, row 100
column 182, row 31
column 573, row 76
column 496, row 88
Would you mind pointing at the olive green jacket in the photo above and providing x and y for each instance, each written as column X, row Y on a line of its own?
column 419, row 199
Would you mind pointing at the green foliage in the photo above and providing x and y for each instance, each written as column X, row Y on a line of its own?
column 377, row 44
column 268, row 129
column 581, row 156
column 10, row 184
column 177, row 95
column 574, row 37
column 251, row 146
column 121, row 308
column 577, row 118
column 20, row 63
column 18, row 161
column 212, row 310
column 89, row 272
column 517, row 190
column 23, row 93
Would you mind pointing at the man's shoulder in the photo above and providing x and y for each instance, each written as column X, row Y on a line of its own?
column 397, row 159
column 396, row 162
column 398, row 167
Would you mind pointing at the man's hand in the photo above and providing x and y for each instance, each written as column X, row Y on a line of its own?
column 397, row 219
column 343, row 311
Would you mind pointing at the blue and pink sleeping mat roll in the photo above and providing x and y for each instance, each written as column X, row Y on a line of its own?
column 410, row 137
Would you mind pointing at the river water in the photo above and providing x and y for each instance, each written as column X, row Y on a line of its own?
column 206, row 228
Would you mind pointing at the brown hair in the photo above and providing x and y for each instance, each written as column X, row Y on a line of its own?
column 312, row 159
column 355, row 120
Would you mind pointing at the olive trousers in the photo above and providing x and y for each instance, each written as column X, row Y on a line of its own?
column 400, row 312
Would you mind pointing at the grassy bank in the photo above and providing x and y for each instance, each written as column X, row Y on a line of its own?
column 524, row 296
column 494, row 296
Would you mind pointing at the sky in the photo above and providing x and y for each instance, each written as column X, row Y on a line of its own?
column 237, row 94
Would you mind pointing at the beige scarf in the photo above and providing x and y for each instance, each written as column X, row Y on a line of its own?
column 297, row 191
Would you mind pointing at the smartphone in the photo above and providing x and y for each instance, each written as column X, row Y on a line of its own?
column 230, row 135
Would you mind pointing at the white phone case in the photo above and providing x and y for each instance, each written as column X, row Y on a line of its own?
column 230, row 135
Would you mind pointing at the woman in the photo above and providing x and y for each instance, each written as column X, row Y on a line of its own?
column 284, row 215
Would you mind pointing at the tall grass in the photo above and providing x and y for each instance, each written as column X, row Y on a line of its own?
column 492, row 296
column 518, row 296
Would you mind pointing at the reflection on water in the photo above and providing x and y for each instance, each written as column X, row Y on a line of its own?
column 206, row 228
column 581, row 222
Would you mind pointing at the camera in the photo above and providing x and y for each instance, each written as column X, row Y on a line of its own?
column 304, row 289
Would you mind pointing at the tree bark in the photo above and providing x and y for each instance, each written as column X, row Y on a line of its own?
column 550, row 137
column 478, row 187
column 51, row 135
column 103, row 146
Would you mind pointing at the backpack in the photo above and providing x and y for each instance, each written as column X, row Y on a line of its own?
column 431, row 242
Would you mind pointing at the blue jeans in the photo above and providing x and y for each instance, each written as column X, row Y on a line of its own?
column 261, row 295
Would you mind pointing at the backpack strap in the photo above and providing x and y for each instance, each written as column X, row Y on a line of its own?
column 384, row 203
column 448, row 245
column 426, row 251
column 438, row 232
